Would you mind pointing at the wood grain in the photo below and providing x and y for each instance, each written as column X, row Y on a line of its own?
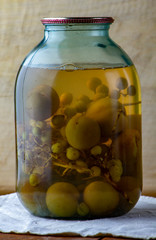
column 134, row 29
column 6, row 236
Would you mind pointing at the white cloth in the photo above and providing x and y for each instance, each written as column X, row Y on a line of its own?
column 140, row 222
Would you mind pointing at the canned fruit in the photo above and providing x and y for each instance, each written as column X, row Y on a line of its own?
column 82, row 159
column 42, row 102
column 82, row 132
column 66, row 98
column 108, row 113
column 62, row 199
column 101, row 198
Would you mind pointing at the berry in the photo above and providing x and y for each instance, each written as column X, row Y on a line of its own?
column 96, row 150
column 97, row 96
column 131, row 90
column 115, row 169
column 72, row 153
column 66, row 98
column 82, row 209
column 36, row 131
column 84, row 98
column 41, row 124
column 81, row 163
column 96, row 171
column 93, row 83
column 24, row 135
column 57, row 148
column 121, row 83
column 58, row 121
column 80, row 106
column 46, row 137
column 34, row 179
column 70, row 111
column 102, row 89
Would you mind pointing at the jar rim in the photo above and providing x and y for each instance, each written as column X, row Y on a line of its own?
column 83, row 20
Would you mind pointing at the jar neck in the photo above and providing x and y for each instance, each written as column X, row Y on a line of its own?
column 69, row 30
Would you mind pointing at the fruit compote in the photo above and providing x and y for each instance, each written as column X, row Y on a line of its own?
column 79, row 141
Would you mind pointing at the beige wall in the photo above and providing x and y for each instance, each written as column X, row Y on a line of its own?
column 20, row 30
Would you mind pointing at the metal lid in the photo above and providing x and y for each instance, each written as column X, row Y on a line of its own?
column 69, row 20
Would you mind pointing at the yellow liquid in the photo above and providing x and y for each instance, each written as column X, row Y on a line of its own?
column 79, row 145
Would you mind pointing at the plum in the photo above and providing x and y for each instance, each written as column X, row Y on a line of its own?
column 82, row 132
column 109, row 113
column 101, row 198
column 42, row 102
column 62, row 199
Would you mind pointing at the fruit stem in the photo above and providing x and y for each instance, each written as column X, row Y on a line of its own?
column 129, row 104
column 73, row 167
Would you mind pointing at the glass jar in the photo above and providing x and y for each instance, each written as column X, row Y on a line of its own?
column 78, row 123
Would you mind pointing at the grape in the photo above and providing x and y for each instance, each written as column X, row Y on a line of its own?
column 121, row 83
column 34, row 179
column 81, row 163
column 115, row 169
column 36, row 131
column 32, row 123
column 131, row 90
column 24, row 135
column 96, row 171
column 38, row 170
column 46, row 137
column 66, row 98
column 93, row 83
column 72, row 153
column 58, row 121
column 82, row 209
column 57, row 148
column 96, row 150
column 84, row 98
column 70, row 111
column 97, row 96
column 41, row 124
column 102, row 89
column 80, row 106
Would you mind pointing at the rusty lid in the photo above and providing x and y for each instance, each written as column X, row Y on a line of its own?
column 69, row 20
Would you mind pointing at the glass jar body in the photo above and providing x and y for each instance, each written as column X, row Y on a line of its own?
column 78, row 126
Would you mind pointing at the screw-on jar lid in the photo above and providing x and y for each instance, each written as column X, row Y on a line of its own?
column 69, row 20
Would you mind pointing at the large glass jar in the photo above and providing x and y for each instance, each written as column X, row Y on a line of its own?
column 78, row 123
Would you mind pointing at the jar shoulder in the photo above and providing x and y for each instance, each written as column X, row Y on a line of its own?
column 99, row 52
